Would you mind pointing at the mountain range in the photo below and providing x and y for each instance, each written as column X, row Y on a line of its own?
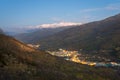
column 99, row 38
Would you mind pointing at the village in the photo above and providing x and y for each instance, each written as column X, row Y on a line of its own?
column 34, row 46
column 77, row 57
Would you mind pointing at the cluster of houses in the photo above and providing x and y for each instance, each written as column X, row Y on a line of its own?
column 34, row 46
column 63, row 53
column 74, row 56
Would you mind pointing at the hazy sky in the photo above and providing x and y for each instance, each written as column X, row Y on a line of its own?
column 23, row 13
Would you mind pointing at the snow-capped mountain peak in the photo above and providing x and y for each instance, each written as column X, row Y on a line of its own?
column 56, row 25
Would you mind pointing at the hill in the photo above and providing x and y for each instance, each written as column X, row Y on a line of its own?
column 96, row 37
column 21, row 62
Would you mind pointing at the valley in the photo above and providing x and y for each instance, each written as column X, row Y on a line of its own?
column 96, row 43
column 59, row 39
column 18, row 59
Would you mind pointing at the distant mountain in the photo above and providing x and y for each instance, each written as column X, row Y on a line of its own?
column 40, row 33
column 11, row 33
column 96, row 37
column 1, row 31
column 21, row 62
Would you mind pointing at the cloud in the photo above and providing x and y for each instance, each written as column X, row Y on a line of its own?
column 55, row 25
column 56, row 19
column 109, row 7
column 115, row 6
column 90, row 9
